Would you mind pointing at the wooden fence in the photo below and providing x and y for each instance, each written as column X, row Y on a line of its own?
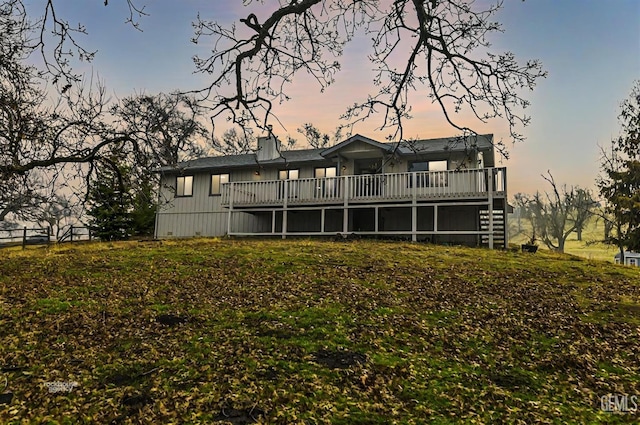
column 43, row 236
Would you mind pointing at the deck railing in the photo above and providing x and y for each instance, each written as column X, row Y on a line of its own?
column 366, row 188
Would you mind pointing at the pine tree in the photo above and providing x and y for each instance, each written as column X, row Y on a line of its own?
column 110, row 203
column 620, row 184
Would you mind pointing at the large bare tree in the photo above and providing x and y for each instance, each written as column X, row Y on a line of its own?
column 560, row 213
column 421, row 50
column 439, row 50
column 41, row 134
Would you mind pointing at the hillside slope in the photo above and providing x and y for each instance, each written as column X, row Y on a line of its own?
column 313, row 332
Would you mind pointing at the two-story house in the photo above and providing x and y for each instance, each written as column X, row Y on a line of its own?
column 439, row 190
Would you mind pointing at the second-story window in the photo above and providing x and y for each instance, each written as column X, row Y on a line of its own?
column 293, row 174
column 325, row 172
column 326, row 187
column 426, row 180
column 184, row 186
column 217, row 180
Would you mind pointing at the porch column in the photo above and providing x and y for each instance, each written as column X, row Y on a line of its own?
column 322, row 219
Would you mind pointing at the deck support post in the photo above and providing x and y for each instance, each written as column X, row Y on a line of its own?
column 231, row 190
column 505, row 210
column 273, row 221
column 376, row 218
column 284, row 208
column 414, row 208
column 345, row 211
column 490, row 183
column 435, row 218
column 322, row 219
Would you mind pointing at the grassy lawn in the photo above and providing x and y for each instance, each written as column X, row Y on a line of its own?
column 299, row 331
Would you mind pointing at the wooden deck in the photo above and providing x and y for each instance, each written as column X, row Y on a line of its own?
column 365, row 189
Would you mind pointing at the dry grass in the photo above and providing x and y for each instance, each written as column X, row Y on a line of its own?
column 313, row 332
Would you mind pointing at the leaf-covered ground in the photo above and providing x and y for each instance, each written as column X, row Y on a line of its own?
column 308, row 332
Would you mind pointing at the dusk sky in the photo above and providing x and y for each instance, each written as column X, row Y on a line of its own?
column 590, row 48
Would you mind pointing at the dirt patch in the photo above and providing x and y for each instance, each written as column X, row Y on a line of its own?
column 171, row 319
column 270, row 373
column 338, row 359
column 6, row 398
column 513, row 380
column 239, row 416
column 136, row 401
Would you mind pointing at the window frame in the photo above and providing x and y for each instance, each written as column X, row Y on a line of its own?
column 183, row 186
column 425, row 181
column 328, row 186
column 288, row 174
column 315, row 172
column 219, row 184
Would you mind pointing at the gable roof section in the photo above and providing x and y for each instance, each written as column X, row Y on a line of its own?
column 356, row 138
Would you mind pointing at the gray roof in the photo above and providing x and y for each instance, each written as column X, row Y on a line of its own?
column 482, row 142
column 246, row 160
column 448, row 144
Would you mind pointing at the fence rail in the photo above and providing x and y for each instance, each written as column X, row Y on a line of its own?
column 25, row 236
column 77, row 233
column 43, row 236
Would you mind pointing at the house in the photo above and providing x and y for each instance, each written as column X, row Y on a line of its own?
column 630, row 258
column 438, row 190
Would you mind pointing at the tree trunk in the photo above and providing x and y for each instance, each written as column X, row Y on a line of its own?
column 608, row 226
column 579, row 232
column 560, row 245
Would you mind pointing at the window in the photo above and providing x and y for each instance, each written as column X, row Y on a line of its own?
column 327, row 187
column 293, row 174
column 217, row 180
column 289, row 174
column 632, row 261
column 325, row 172
column 184, row 186
column 430, row 180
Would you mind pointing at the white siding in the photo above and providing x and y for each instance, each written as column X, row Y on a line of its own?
column 200, row 214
